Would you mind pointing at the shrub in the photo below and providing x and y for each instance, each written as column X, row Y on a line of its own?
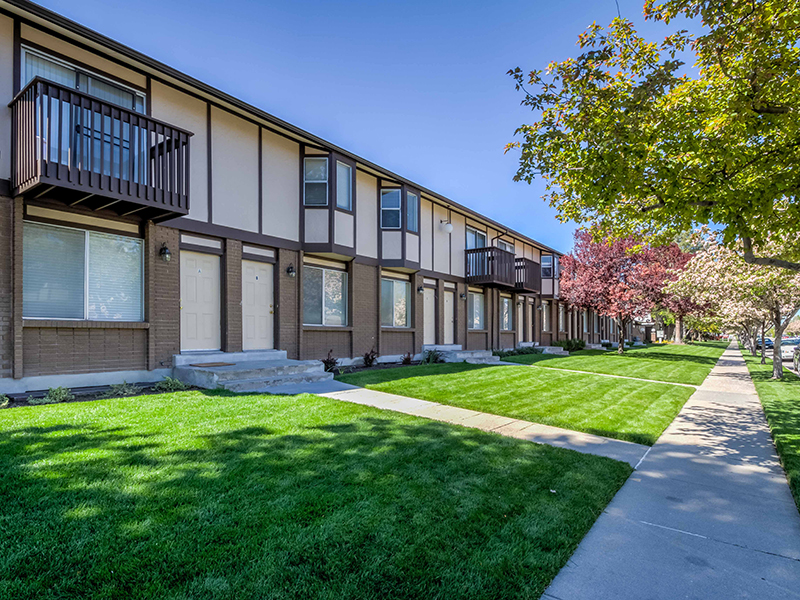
column 369, row 358
column 4, row 400
column 407, row 357
column 330, row 362
column 571, row 345
column 607, row 345
column 120, row 390
column 54, row 396
column 169, row 385
column 432, row 357
column 518, row 351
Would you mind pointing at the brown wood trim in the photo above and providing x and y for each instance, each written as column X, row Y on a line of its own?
column 220, row 231
column 68, row 324
column 201, row 249
column 398, row 329
column 326, row 328
column 5, row 187
column 148, row 100
column 258, row 258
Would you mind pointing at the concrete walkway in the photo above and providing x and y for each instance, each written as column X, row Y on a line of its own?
column 524, row 430
column 707, row 515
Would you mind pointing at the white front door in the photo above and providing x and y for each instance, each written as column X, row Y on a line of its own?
column 257, row 306
column 429, row 309
column 449, row 317
column 200, row 301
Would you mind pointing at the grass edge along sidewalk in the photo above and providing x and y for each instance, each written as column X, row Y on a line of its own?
column 217, row 495
column 781, row 403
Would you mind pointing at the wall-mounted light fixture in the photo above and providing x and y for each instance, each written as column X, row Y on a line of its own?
column 164, row 253
column 463, row 296
column 420, row 290
column 290, row 271
column 446, row 226
column 540, row 307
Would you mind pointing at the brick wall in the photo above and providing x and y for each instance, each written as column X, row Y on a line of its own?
column 232, row 310
column 164, row 291
column 288, row 316
column 365, row 313
column 317, row 344
column 6, row 286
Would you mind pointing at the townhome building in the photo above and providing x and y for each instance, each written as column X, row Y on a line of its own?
column 145, row 215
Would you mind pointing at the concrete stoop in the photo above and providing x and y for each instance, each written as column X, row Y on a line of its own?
column 268, row 371
column 554, row 350
column 473, row 357
column 594, row 347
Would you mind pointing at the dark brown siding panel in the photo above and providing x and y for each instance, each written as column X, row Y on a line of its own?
column 507, row 340
column 56, row 351
column 478, row 340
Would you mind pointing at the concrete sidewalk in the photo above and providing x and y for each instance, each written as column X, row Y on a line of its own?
column 525, row 430
column 708, row 514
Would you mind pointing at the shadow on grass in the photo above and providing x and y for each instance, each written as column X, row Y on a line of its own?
column 366, row 507
column 364, row 378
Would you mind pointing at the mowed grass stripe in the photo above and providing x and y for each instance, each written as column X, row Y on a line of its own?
column 619, row 408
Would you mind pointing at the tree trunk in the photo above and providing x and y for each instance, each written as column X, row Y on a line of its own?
column 777, row 361
column 621, row 344
column 763, row 345
column 678, row 329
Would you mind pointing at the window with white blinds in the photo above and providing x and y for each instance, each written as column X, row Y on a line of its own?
column 76, row 274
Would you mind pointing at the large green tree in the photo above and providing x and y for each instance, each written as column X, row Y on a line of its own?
column 629, row 139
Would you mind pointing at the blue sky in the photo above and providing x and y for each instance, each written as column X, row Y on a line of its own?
column 418, row 87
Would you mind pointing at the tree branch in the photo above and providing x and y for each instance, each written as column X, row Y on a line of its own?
column 750, row 258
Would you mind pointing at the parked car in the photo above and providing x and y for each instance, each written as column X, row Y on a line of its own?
column 796, row 359
column 788, row 348
column 767, row 344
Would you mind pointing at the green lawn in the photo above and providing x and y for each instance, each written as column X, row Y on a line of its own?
column 688, row 363
column 619, row 408
column 221, row 496
column 781, row 402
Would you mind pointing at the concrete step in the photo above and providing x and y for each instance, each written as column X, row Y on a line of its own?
column 594, row 347
column 256, row 373
column 469, row 355
column 188, row 358
column 489, row 360
column 554, row 350
column 270, row 384
column 441, row 347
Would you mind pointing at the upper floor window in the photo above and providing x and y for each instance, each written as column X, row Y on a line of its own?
column 412, row 212
column 37, row 64
column 506, row 314
column 475, row 309
column 505, row 246
column 344, row 186
column 84, row 275
column 315, row 181
column 390, row 208
column 475, row 239
column 547, row 266
column 395, row 303
column 556, row 268
column 324, row 296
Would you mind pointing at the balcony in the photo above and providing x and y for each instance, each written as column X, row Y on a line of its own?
column 80, row 150
column 491, row 266
column 528, row 276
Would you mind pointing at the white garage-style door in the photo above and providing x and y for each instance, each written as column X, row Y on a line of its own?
column 429, row 331
column 257, row 306
column 200, row 301
column 449, row 317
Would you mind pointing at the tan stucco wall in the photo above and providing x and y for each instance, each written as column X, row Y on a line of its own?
column 281, row 186
column 234, row 154
column 412, row 247
column 426, row 233
column 343, row 229
column 88, row 58
column 367, row 215
column 6, row 93
column 441, row 242
column 316, row 225
column 458, row 240
column 392, row 245
column 184, row 111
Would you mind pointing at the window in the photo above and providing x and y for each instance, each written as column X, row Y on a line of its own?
column 556, row 267
column 506, row 314
column 35, row 64
column 390, row 209
column 475, row 239
column 395, row 303
column 545, row 315
column 324, row 297
column 547, row 266
column 315, row 182
column 505, row 246
column 76, row 274
column 412, row 212
column 596, row 323
column 344, row 186
column 613, row 324
column 475, row 310
column 585, row 321
column 562, row 318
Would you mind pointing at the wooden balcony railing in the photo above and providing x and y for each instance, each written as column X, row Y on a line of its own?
column 491, row 266
column 529, row 276
column 79, row 148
